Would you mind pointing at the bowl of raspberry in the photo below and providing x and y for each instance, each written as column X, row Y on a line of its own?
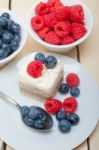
column 59, row 25
column 12, row 35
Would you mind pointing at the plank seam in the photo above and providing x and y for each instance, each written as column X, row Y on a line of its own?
column 4, row 146
column 10, row 4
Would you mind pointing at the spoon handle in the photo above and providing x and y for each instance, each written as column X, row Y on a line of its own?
column 9, row 99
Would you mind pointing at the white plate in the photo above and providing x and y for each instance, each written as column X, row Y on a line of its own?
column 20, row 137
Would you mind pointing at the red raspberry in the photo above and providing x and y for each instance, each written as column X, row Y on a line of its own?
column 62, row 13
column 67, row 40
column 42, row 33
column 35, row 68
column 70, row 105
column 53, row 106
column 52, row 38
column 62, row 28
column 50, row 20
column 78, row 30
column 42, row 9
column 72, row 80
column 37, row 23
column 77, row 13
column 54, row 4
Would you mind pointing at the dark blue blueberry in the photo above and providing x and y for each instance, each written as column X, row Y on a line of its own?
column 7, row 37
column 4, row 51
column 35, row 112
column 0, row 43
column 64, row 126
column 61, row 115
column 40, row 56
column 73, row 119
column 16, row 28
column 28, row 121
column 39, row 123
column 3, row 22
column 64, row 89
column 50, row 62
column 24, row 110
column 1, row 32
column 10, row 23
column 6, row 15
column 75, row 91
column 14, row 45
column 17, row 37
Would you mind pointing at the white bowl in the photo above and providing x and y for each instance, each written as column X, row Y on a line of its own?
column 61, row 48
column 18, row 20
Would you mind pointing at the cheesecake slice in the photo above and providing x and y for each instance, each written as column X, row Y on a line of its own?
column 46, row 84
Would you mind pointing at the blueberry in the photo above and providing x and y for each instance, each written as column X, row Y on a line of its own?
column 28, row 121
column 1, row 32
column 39, row 123
column 10, row 23
column 73, row 119
column 50, row 62
column 3, row 22
column 14, row 45
column 6, row 15
column 17, row 37
column 64, row 89
column 16, row 28
column 4, row 50
column 40, row 56
column 75, row 91
column 7, row 37
column 24, row 110
column 61, row 115
column 0, row 42
column 64, row 126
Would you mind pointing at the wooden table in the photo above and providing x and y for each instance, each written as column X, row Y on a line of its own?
column 86, row 53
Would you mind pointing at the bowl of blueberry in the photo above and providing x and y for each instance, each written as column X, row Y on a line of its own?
column 12, row 35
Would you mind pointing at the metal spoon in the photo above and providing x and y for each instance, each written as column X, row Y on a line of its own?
column 48, row 121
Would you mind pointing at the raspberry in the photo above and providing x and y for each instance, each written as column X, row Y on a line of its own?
column 53, row 106
column 62, row 28
column 72, row 80
column 35, row 68
column 54, row 4
column 42, row 33
column 37, row 23
column 52, row 38
column 62, row 13
column 67, row 40
column 50, row 20
column 42, row 9
column 78, row 30
column 70, row 105
column 77, row 13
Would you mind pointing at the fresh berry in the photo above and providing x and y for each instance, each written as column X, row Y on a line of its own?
column 24, row 110
column 17, row 37
column 70, row 105
column 14, row 45
column 54, row 5
column 39, row 123
column 62, row 28
column 78, row 30
column 37, row 23
column 16, row 28
column 42, row 33
column 7, row 37
column 72, row 80
column 53, row 106
column 50, row 20
column 77, row 13
column 75, row 91
column 73, row 119
column 6, row 15
column 3, row 22
column 9, row 25
column 0, row 42
column 28, row 121
column 40, row 56
column 1, row 32
column 64, row 89
column 4, row 51
column 64, row 126
column 61, row 115
column 42, row 8
column 35, row 68
column 67, row 40
column 50, row 62
column 52, row 38
column 62, row 13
